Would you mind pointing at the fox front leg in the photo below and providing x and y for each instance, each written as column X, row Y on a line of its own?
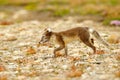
column 58, row 49
column 61, row 43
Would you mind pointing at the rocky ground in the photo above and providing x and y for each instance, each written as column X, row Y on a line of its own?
column 22, row 59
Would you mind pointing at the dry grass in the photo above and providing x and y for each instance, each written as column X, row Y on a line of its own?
column 108, row 9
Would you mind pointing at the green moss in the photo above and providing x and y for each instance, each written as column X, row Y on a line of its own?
column 114, row 2
column 58, row 2
column 31, row 6
column 89, row 12
column 61, row 12
column 46, row 10
column 3, row 2
column 84, row 11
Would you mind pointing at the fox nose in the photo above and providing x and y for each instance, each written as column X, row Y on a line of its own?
column 43, row 41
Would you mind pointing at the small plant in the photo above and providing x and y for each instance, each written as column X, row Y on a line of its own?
column 61, row 13
column 58, row 2
column 3, row 2
column 31, row 6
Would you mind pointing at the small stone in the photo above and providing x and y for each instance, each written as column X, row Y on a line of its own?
column 76, row 73
column 2, row 68
column 117, row 74
column 114, row 39
column 3, row 77
column 11, row 38
column 31, row 51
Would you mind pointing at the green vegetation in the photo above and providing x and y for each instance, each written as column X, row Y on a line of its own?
column 58, row 2
column 3, row 2
column 114, row 2
column 31, row 6
column 108, row 9
column 61, row 13
column 107, row 20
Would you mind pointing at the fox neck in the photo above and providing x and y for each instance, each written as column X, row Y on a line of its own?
column 52, row 34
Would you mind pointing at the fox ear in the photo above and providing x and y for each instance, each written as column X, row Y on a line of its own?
column 49, row 30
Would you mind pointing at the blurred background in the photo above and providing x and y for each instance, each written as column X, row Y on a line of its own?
column 104, row 11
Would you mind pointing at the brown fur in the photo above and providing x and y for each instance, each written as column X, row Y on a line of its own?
column 64, row 37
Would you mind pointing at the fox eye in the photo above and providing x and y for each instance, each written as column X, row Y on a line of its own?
column 43, row 35
column 48, row 31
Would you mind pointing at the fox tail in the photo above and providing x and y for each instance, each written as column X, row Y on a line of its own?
column 97, row 36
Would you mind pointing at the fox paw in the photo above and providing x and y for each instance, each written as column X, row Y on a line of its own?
column 100, row 52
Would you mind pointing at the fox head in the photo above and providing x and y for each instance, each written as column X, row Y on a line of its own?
column 46, row 35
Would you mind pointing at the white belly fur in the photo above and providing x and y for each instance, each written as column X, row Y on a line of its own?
column 75, row 38
column 70, row 39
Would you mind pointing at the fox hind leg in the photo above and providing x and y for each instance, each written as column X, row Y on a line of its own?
column 66, row 50
column 92, row 40
column 90, row 45
column 85, row 38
